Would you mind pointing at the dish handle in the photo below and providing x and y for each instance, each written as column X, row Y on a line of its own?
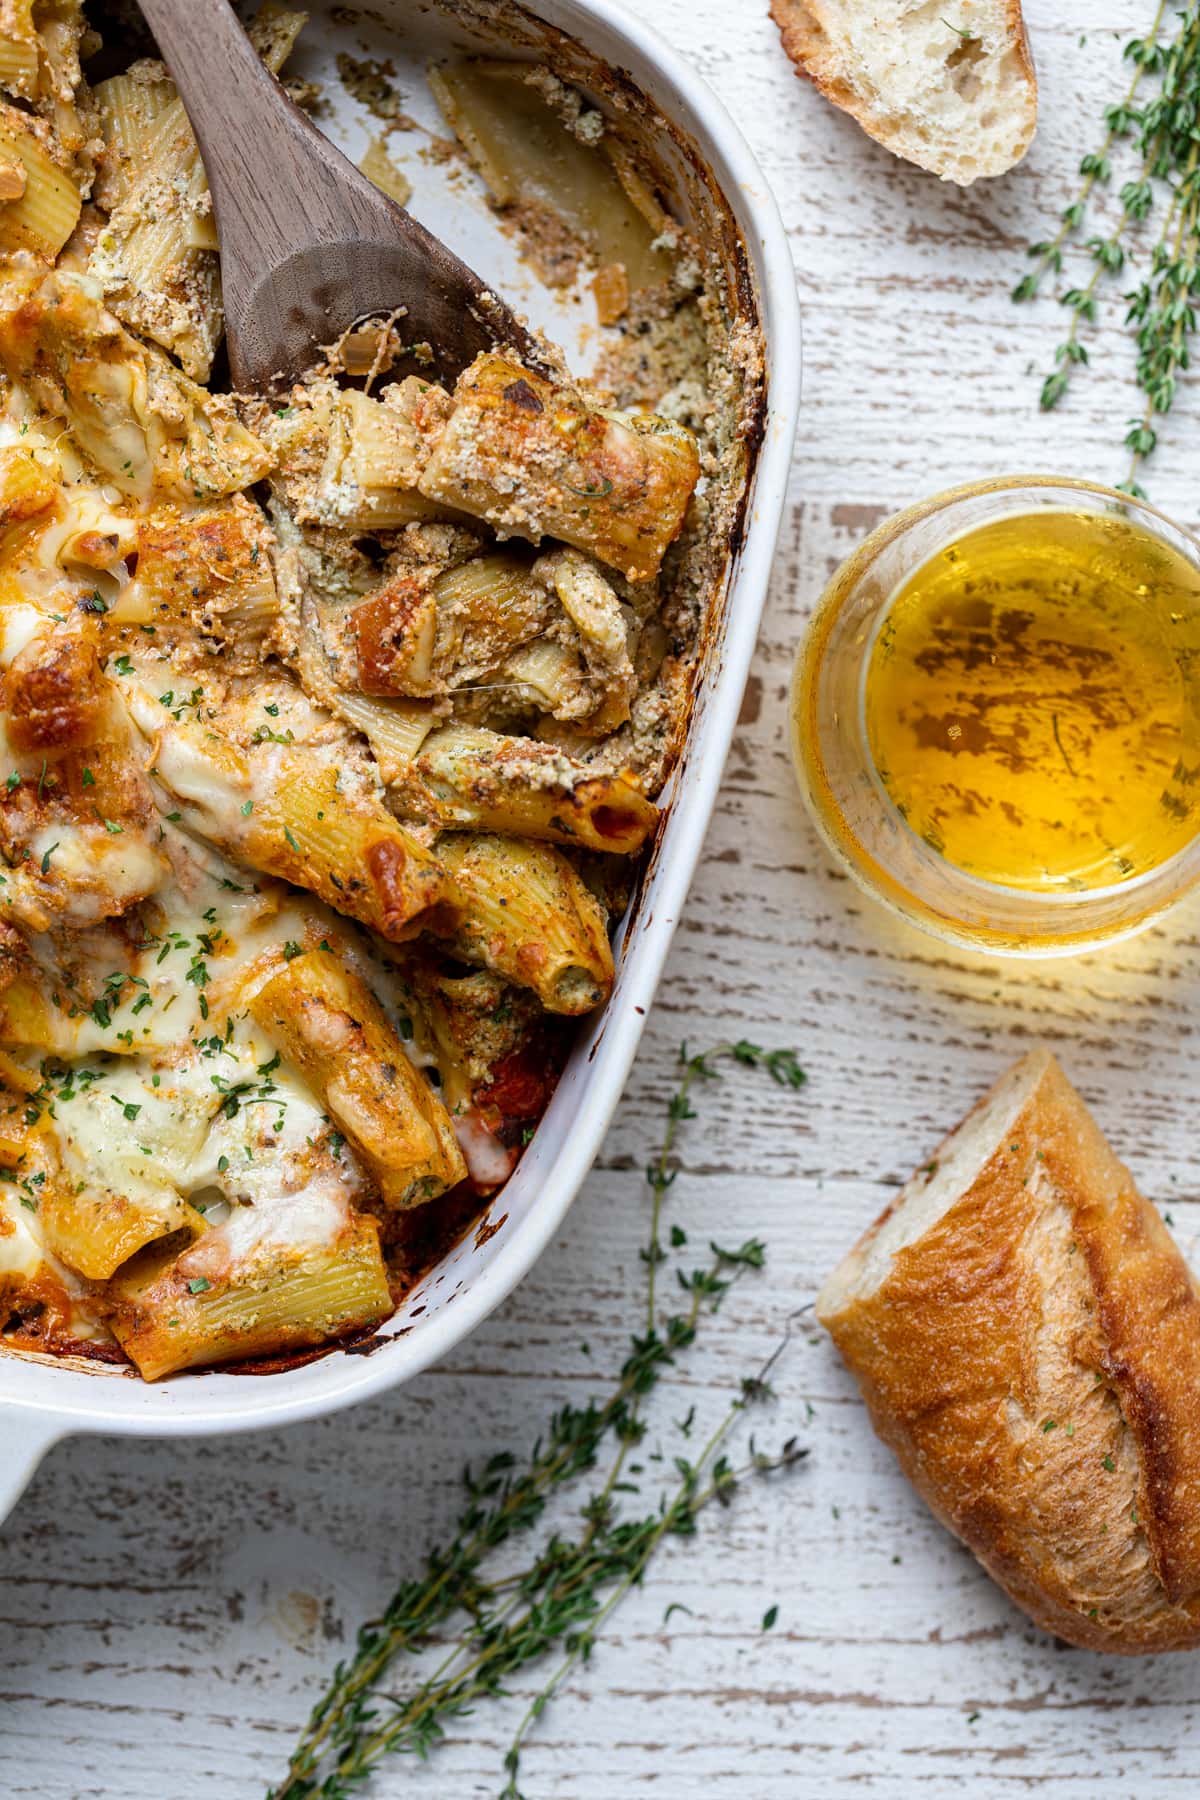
column 25, row 1438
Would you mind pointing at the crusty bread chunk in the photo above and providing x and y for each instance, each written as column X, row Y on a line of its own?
column 948, row 84
column 1027, row 1338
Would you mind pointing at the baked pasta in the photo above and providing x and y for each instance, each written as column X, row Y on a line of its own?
column 331, row 725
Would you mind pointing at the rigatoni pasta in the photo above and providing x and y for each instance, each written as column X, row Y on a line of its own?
column 514, row 784
column 532, row 457
column 41, row 207
column 520, row 908
column 169, row 1316
column 288, row 810
column 395, row 729
column 128, row 106
column 144, row 426
column 19, row 51
column 369, row 479
column 157, row 264
column 327, row 1024
column 156, row 258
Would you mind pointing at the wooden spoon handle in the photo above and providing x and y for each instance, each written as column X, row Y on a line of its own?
column 308, row 245
column 276, row 182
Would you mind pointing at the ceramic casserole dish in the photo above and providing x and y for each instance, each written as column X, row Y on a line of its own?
column 717, row 192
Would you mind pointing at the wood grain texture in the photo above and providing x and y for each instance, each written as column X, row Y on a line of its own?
column 317, row 246
column 171, row 1612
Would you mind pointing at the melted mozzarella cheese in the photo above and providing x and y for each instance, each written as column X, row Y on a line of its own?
column 21, row 1249
column 121, row 1132
column 182, row 1093
column 490, row 1162
column 215, row 791
column 270, row 1161
column 19, row 625
column 24, row 1257
column 112, row 867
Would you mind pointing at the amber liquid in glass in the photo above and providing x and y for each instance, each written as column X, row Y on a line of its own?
column 1032, row 701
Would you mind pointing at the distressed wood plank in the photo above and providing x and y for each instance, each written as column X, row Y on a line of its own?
column 170, row 1612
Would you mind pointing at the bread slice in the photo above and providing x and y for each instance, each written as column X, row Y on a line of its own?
column 948, row 84
column 1027, row 1339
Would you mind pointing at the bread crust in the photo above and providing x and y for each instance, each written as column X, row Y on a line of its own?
column 806, row 40
column 1033, row 1358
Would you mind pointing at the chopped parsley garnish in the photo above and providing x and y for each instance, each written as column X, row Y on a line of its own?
column 592, row 493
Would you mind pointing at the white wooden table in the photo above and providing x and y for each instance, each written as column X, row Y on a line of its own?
column 170, row 1613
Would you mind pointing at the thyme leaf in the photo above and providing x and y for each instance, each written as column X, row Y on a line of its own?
column 1157, row 117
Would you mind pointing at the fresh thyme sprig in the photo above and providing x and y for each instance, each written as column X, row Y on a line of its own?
column 566, row 1594
column 1164, row 132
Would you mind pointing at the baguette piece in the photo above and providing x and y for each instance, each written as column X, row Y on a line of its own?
column 951, row 88
column 1026, row 1336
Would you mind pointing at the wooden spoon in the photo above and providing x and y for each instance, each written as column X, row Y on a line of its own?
column 308, row 244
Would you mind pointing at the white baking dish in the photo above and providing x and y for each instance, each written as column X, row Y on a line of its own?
column 40, row 1401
